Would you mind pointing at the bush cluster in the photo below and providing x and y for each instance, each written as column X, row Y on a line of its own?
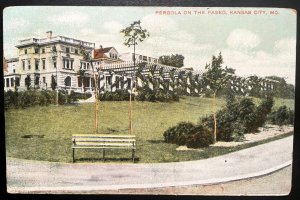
column 147, row 94
column 186, row 133
column 118, row 95
column 239, row 117
column 282, row 116
column 28, row 98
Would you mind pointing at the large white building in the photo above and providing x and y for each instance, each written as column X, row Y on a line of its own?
column 42, row 60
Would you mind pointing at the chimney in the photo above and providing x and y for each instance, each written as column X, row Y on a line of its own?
column 49, row 34
column 101, row 47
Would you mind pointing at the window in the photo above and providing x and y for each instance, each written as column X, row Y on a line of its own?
column 43, row 50
column 44, row 63
column 128, row 83
column 36, row 63
column 68, row 64
column 54, row 64
column 67, row 49
column 29, row 66
column 36, row 50
column 14, row 71
column 108, row 80
column 23, row 64
column 25, row 51
column 44, row 79
column 7, row 82
column 12, row 82
column 37, row 80
column 145, row 58
column 54, row 49
column 68, row 81
column 76, row 51
column 17, row 81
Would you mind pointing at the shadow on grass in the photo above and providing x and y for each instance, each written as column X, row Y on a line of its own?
column 155, row 141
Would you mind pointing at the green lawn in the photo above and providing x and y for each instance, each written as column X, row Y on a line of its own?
column 44, row 133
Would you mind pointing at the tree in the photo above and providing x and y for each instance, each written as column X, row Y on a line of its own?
column 134, row 34
column 88, row 58
column 217, row 77
column 172, row 60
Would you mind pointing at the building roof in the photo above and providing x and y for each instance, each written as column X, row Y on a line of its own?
column 100, row 53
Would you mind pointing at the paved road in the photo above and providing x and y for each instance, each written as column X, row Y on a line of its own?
column 33, row 176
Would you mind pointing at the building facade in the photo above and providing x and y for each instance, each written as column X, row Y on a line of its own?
column 52, row 59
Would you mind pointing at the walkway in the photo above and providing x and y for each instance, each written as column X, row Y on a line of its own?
column 34, row 176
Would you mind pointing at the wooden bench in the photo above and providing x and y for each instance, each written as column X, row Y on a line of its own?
column 101, row 141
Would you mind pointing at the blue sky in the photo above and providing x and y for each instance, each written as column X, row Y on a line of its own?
column 262, row 44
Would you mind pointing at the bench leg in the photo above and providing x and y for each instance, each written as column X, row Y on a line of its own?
column 73, row 155
column 133, row 154
column 103, row 155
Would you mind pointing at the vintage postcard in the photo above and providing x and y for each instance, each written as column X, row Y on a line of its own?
column 149, row 100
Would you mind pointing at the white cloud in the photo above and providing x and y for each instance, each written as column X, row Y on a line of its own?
column 280, row 62
column 158, row 25
column 69, row 18
column 242, row 39
column 112, row 26
column 16, row 24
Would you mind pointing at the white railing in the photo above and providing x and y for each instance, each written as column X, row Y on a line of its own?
column 57, row 38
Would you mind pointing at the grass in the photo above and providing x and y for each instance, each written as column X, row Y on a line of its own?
column 44, row 133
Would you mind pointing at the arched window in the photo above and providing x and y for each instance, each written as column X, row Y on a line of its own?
column 68, row 81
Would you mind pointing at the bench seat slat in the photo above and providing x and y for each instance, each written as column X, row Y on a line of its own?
column 102, row 144
column 101, row 136
column 103, row 140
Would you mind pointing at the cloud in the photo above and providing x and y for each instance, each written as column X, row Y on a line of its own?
column 280, row 62
column 242, row 39
column 69, row 18
column 158, row 25
column 18, row 23
column 112, row 26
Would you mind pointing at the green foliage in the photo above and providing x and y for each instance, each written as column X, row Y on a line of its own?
column 216, row 76
column 147, row 94
column 118, row 95
column 261, row 113
column 27, row 98
column 282, row 89
column 282, row 116
column 238, row 117
column 134, row 33
column 172, row 60
column 186, row 133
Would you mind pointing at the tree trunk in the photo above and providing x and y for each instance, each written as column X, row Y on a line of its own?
column 215, row 118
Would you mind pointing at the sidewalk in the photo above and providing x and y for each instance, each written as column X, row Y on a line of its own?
column 25, row 176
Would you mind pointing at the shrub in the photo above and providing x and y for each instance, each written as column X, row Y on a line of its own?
column 186, row 133
column 199, row 137
column 177, row 134
column 118, row 95
column 239, row 117
column 282, row 116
